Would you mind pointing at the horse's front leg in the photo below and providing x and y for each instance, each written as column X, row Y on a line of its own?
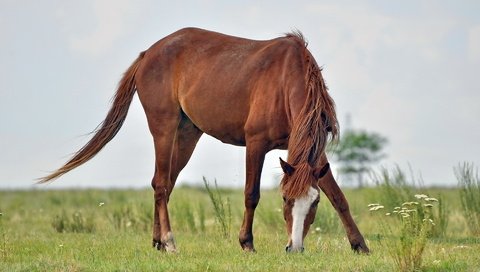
column 254, row 163
column 330, row 187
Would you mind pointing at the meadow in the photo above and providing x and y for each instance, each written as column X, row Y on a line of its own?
column 110, row 230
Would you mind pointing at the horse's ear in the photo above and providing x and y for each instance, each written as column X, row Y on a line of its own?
column 318, row 173
column 287, row 168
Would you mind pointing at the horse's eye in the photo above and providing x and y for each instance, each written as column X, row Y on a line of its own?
column 284, row 199
column 315, row 203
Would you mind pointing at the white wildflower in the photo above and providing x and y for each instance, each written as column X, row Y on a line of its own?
column 420, row 196
column 431, row 199
column 101, row 204
column 409, row 203
column 376, row 208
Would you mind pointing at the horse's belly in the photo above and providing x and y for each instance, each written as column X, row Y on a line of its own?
column 216, row 123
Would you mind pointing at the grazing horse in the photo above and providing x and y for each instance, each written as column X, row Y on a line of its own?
column 260, row 94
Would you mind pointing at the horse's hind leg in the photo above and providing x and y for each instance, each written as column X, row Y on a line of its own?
column 163, row 128
column 330, row 187
column 186, row 138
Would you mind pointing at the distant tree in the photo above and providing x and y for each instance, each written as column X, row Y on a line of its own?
column 356, row 152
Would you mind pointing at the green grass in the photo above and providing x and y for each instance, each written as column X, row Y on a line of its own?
column 469, row 183
column 121, row 235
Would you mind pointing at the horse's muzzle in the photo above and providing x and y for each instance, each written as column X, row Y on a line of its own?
column 289, row 249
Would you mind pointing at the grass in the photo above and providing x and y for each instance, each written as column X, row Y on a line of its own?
column 121, row 240
column 469, row 183
column 222, row 208
column 413, row 225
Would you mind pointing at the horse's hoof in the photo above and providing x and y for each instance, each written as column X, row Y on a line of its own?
column 158, row 245
column 170, row 248
column 361, row 248
column 249, row 249
column 167, row 243
column 247, row 246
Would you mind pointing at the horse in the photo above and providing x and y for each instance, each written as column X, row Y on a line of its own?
column 261, row 94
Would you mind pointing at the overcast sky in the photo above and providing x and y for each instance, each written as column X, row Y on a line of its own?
column 408, row 70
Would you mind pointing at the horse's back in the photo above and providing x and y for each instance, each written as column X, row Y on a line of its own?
column 224, row 84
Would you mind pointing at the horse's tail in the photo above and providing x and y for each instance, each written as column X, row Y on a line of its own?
column 109, row 127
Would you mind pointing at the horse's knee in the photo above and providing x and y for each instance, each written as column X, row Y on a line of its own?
column 251, row 200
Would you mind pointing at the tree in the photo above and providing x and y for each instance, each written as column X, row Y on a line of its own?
column 356, row 151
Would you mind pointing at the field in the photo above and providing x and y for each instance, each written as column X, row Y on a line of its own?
column 110, row 230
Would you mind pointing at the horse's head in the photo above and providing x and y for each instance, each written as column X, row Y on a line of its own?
column 300, row 199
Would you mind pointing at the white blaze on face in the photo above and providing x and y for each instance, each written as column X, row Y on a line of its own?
column 300, row 210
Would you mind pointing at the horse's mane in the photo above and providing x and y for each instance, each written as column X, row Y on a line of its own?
column 309, row 134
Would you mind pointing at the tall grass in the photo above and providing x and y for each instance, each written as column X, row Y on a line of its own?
column 3, row 238
column 75, row 222
column 440, row 216
column 270, row 213
column 326, row 219
column 469, row 183
column 222, row 209
column 201, row 216
column 131, row 216
column 406, row 237
column 395, row 187
column 185, row 217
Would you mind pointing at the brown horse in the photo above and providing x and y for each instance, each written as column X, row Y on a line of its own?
column 260, row 94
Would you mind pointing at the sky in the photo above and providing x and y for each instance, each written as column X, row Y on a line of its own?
column 408, row 70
